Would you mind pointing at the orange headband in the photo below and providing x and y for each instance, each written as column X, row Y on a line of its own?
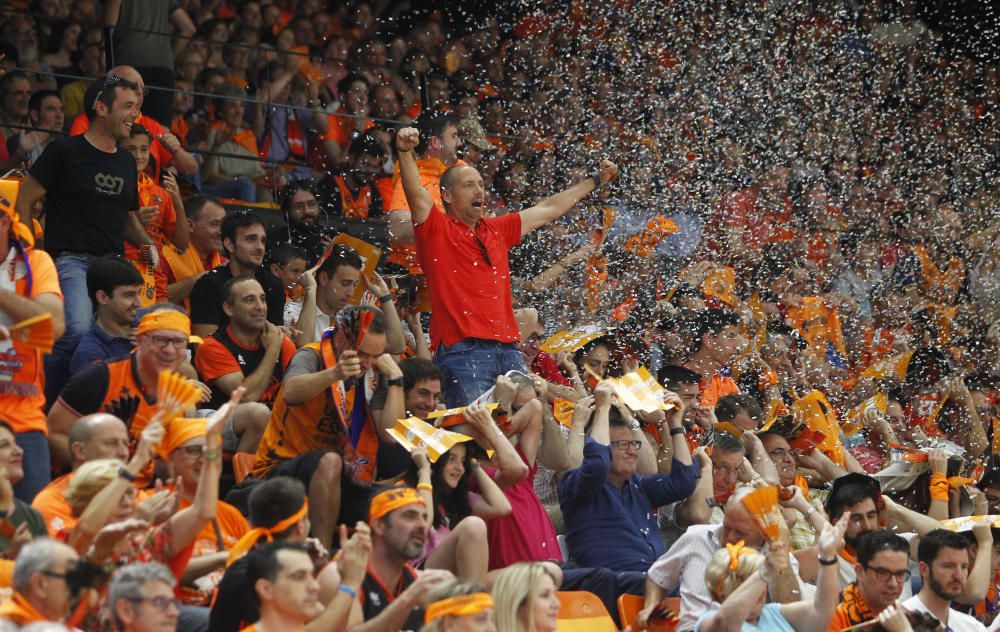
column 253, row 536
column 393, row 499
column 179, row 431
column 164, row 319
column 736, row 551
column 460, row 606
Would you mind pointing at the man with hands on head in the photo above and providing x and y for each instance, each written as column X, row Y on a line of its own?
column 323, row 430
column 465, row 256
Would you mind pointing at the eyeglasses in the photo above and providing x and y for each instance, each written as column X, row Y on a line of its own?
column 161, row 342
column 161, row 603
column 883, row 574
column 625, row 444
column 726, row 470
column 192, row 451
column 61, row 576
column 780, row 453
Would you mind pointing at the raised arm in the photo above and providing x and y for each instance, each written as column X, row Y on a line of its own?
column 417, row 196
column 556, row 205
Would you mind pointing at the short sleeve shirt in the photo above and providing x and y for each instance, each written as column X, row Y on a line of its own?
column 206, row 297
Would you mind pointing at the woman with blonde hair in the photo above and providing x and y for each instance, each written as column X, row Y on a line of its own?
column 459, row 607
column 737, row 577
column 526, row 599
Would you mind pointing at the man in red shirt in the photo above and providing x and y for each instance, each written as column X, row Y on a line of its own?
column 465, row 257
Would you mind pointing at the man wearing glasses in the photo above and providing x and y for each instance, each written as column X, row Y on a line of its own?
column 882, row 569
column 607, row 506
column 141, row 598
column 39, row 582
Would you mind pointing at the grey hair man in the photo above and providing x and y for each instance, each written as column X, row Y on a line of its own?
column 141, row 598
column 40, row 589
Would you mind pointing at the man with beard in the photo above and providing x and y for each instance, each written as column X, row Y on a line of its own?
column 301, row 210
column 393, row 593
column 944, row 566
column 881, row 574
column 243, row 239
column 352, row 193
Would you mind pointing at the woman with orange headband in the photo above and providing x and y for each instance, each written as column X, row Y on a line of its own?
column 459, row 607
column 737, row 577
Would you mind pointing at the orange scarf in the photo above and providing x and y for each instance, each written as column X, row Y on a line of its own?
column 20, row 611
column 359, row 458
column 853, row 606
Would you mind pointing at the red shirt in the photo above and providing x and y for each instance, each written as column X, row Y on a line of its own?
column 546, row 366
column 470, row 296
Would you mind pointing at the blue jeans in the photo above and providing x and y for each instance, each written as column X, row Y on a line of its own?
column 471, row 366
column 36, row 464
column 72, row 270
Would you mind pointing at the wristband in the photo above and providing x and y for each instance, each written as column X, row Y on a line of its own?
column 676, row 431
column 829, row 562
column 811, row 511
column 347, row 589
column 597, row 182
column 388, row 298
column 396, row 381
column 426, row 487
column 211, row 455
column 762, row 576
column 403, row 151
column 128, row 476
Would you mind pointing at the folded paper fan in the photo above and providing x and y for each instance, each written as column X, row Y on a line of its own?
column 175, row 394
column 37, row 332
column 763, row 506
column 967, row 523
column 640, row 391
column 454, row 416
column 412, row 433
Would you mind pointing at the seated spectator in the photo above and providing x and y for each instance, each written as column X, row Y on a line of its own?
column 185, row 267
column 184, row 450
column 742, row 411
column 944, row 557
column 248, row 352
column 738, row 578
column 398, row 519
column 606, row 492
column 456, row 539
column 243, row 240
column 45, row 112
column 332, row 383
column 141, row 598
column 40, row 589
column 161, row 214
column 300, row 208
column 351, row 193
column 525, row 597
column 114, row 286
column 459, row 604
column 683, row 566
column 25, row 520
column 543, row 364
column 881, row 572
column 92, row 437
column 229, row 176
column 288, row 263
column 717, row 341
column 349, row 122
column 125, row 388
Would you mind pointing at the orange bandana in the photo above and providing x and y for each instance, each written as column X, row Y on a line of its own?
column 253, row 536
column 179, row 431
column 164, row 319
column 391, row 500
column 461, row 606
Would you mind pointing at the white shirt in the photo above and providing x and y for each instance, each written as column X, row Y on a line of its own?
column 293, row 309
column 957, row 621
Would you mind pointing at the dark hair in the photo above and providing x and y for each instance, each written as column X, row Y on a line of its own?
column 848, row 491
column 991, row 477
column 227, row 288
column 140, row 130
column 590, row 346
column 722, row 441
column 933, row 541
column 673, row 375
column 727, row 407
column 451, row 506
column 35, row 102
column 263, row 563
column 416, row 370
column 874, row 542
column 349, row 320
column 274, row 500
column 615, row 419
column 340, row 255
column 285, row 195
column 9, row 78
column 432, row 123
column 6, row 424
column 366, row 144
column 234, row 221
column 712, row 321
column 109, row 272
column 345, row 84
column 196, row 203
column 283, row 254
column 108, row 91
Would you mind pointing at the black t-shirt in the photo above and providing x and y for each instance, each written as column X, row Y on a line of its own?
column 89, row 194
column 234, row 604
column 206, row 297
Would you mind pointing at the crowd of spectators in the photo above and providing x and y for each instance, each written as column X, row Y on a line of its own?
column 338, row 220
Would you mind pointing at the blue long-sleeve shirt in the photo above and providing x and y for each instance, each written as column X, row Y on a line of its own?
column 613, row 527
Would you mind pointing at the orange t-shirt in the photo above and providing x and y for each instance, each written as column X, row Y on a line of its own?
column 716, row 388
column 154, row 288
column 178, row 265
column 213, row 360
column 219, row 535
column 22, row 380
column 431, row 170
column 51, row 503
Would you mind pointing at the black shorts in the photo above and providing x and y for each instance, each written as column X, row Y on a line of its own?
column 353, row 497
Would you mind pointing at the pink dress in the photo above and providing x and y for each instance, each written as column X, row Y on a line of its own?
column 527, row 534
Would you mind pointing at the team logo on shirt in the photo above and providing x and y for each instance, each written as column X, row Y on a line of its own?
column 107, row 184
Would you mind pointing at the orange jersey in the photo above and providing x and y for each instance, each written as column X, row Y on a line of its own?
column 22, row 380
column 51, row 503
column 178, row 265
column 852, row 610
column 717, row 387
column 219, row 535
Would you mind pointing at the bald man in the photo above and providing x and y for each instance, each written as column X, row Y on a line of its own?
column 165, row 150
column 97, row 436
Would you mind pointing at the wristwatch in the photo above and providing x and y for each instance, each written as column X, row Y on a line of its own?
column 396, row 381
